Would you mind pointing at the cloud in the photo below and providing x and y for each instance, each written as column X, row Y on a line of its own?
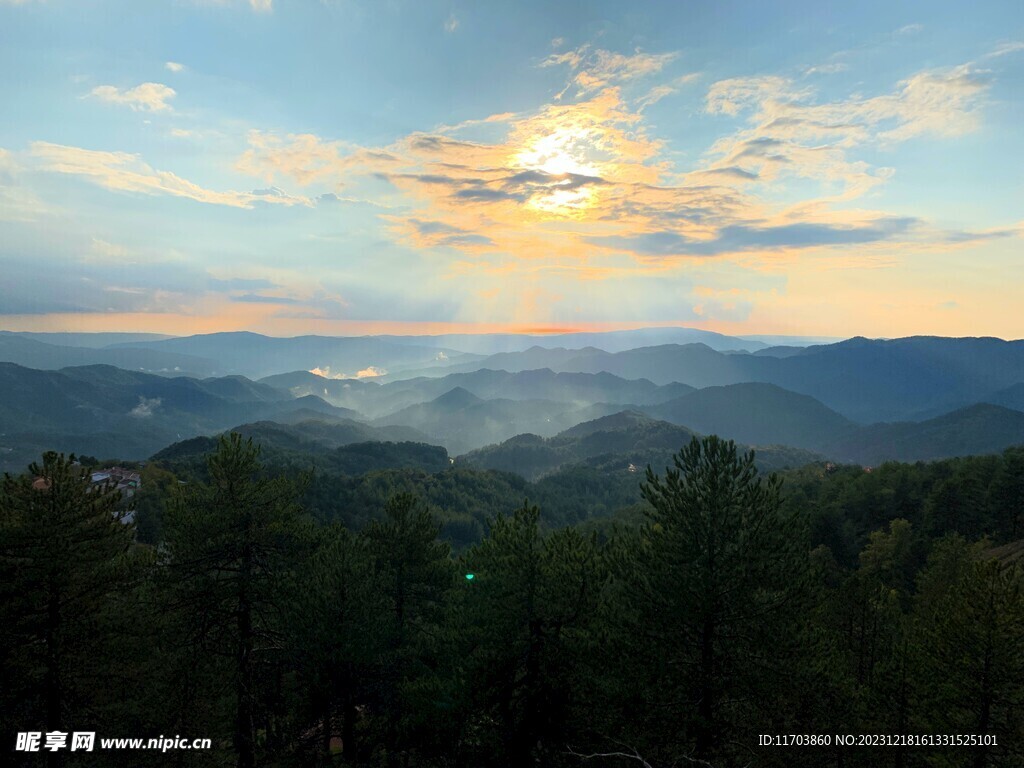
column 147, row 97
column 594, row 69
column 1005, row 49
column 370, row 372
column 254, row 298
column 306, row 158
column 145, row 408
column 259, row 6
column 737, row 238
column 124, row 172
column 659, row 92
column 173, row 66
column 730, row 97
column 789, row 133
column 426, row 234
column 730, row 305
column 242, row 284
column 578, row 190
column 18, row 203
column 103, row 252
column 277, row 195
column 827, row 69
column 451, row 24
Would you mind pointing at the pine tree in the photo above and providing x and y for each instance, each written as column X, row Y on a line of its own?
column 414, row 575
column 64, row 558
column 968, row 636
column 337, row 617
column 1006, row 496
column 527, row 616
column 711, row 588
column 231, row 548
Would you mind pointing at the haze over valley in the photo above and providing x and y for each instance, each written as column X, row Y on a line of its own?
column 854, row 401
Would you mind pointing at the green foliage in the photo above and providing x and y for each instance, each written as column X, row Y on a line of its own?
column 230, row 549
column 323, row 620
column 65, row 563
column 526, row 625
column 709, row 589
column 968, row 626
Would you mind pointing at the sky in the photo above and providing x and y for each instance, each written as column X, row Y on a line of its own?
column 411, row 166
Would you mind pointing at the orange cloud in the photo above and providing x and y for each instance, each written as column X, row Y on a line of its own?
column 568, row 184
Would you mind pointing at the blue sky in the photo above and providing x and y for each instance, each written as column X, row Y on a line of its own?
column 337, row 166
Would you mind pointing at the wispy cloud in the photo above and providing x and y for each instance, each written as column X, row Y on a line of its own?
column 17, row 201
column 174, row 66
column 659, row 92
column 571, row 180
column 126, row 172
column 147, row 97
column 259, row 6
column 306, row 158
column 831, row 68
column 1004, row 49
column 595, row 68
column 145, row 408
column 790, row 133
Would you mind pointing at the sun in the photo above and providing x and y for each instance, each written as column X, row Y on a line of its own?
column 565, row 150
column 561, row 154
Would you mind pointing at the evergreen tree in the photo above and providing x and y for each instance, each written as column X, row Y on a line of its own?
column 337, row 616
column 414, row 574
column 969, row 632
column 527, row 618
column 1006, row 496
column 711, row 588
column 231, row 548
column 64, row 561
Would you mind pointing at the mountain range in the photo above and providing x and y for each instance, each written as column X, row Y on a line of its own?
column 107, row 411
column 864, row 380
column 862, row 401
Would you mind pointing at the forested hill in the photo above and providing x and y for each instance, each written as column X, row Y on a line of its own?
column 588, row 473
column 107, row 411
column 624, row 439
column 847, row 601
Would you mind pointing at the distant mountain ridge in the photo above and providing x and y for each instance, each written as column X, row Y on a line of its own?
column 255, row 355
column 973, row 431
column 859, row 400
column 461, row 421
column 108, row 411
column 756, row 414
column 378, row 400
column 352, row 447
column 31, row 353
column 864, row 380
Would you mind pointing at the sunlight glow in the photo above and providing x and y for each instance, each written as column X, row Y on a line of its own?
column 564, row 202
column 565, row 152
